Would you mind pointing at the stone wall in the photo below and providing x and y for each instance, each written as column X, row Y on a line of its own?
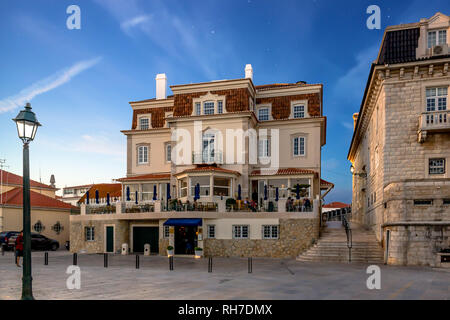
column 296, row 236
column 77, row 235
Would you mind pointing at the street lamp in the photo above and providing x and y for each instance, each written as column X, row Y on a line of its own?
column 359, row 174
column 27, row 125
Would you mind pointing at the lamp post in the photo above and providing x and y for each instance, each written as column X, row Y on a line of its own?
column 27, row 125
column 359, row 174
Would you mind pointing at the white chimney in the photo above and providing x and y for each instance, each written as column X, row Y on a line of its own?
column 161, row 86
column 248, row 71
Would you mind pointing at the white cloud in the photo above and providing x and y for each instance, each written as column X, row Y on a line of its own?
column 352, row 83
column 330, row 164
column 348, row 125
column 55, row 80
column 99, row 145
column 133, row 22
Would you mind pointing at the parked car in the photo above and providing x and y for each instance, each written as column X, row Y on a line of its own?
column 5, row 236
column 38, row 242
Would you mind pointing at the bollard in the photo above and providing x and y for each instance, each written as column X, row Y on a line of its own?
column 210, row 264
column 171, row 263
column 75, row 259
column 105, row 260
column 137, row 261
column 250, row 265
column 3, row 250
column 46, row 259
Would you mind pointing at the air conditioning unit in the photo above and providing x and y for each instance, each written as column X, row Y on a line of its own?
column 439, row 50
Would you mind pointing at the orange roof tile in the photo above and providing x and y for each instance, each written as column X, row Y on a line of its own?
column 325, row 183
column 286, row 171
column 114, row 190
column 337, row 205
column 9, row 178
column 15, row 197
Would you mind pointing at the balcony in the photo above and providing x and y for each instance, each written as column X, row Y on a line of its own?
column 433, row 122
column 207, row 157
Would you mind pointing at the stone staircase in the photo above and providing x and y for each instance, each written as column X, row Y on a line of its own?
column 332, row 246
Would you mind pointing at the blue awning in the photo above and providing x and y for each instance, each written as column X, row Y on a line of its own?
column 183, row 222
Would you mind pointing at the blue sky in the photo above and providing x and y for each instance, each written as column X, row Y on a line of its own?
column 79, row 82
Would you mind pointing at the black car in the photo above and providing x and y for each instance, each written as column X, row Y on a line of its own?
column 5, row 236
column 38, row 242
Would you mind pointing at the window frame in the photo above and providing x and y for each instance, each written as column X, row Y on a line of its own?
column 208, row 231
column 437, row 38
column 140, row 123
column 436, row 98
column 147, row 147
column 435, row 167
column 89, row 237
column 166, row 232
column 259, row 109
column 302, row 112
column 271, row 231
column 168, row 155
column 299, row 154
column 241, row 231
column 209, row 103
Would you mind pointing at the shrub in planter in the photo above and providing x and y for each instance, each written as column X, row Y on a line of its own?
column 170, row 251
column 230, row 203
column 198, row 251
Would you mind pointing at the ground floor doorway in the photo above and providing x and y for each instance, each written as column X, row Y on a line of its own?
column 143, row 235
column 185, row 239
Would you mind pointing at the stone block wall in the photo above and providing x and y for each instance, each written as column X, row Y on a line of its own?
column 296, row 236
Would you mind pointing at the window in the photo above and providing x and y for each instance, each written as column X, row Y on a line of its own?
column 208, row 107
column 143, row 154
column 198, row 109
column 436, row 97
column 203, row 181
column 299, row 146
column 57, row 227
column 222, row 186
column 423, row 202
column 168, row 152
column 147, row 191
column 240, row 232
column 38, row 227
column 270, row 232
column 263, row 114
column 436, row 166
column 299, row 112
column 263, row 148
column 211, row 231
column 220, row 106
column 446, row 201
column 89, row 233
column 143, row 123
column 166, row 231
column 436, row 38
column 183, row 187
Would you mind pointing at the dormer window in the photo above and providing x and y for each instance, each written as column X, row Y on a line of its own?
column 437, row 37
column 220, row 106
column 144, row 124
column 208, row 107
column 198, row 109
column 263, row 114
column 299, row 112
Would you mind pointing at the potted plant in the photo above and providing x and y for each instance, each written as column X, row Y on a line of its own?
column 230, row 203
column 170, row 251
column 198, row 252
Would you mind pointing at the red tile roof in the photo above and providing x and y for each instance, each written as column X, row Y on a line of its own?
column 150, row 176
column 9, row 178
column 209, row 168
column 114, row 190
column 15, row 197
column 339, row 205
column 325, row 183
column 285, row 172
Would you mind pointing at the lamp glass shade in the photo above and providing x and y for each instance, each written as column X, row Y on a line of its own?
column 27, row 124
column 352, row 169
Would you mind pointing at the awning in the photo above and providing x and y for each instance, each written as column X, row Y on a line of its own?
column 183, row 222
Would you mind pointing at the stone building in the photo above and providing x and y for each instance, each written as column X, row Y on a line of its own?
column 191, row 153
column 400, row 148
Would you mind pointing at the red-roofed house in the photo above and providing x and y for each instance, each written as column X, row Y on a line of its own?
column 49, row 216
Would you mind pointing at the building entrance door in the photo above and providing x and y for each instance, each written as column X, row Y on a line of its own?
column 185, row 239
